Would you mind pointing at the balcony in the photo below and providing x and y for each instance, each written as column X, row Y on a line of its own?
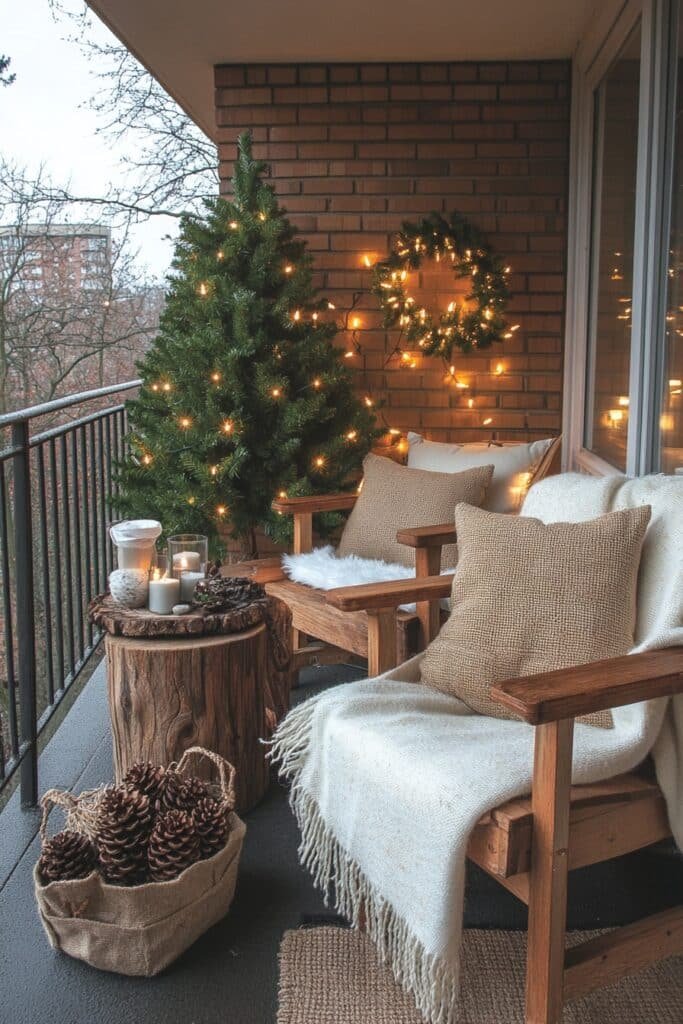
column 58, row 492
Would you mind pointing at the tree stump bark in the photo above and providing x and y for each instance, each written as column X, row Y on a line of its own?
column 168, row 695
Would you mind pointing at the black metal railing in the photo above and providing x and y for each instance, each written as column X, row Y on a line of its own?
column 57, row 496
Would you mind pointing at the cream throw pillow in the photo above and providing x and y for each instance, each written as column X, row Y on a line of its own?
column 394, row 497
column 513, row 465
column 529, row 597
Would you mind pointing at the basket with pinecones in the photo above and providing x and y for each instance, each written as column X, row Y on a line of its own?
column 141, row 869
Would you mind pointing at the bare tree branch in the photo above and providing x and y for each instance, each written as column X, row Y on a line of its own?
column 169, row 165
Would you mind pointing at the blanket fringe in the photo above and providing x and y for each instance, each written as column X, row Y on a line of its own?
column 432, row 981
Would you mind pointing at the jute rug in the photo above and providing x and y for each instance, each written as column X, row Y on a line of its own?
column 332, row 976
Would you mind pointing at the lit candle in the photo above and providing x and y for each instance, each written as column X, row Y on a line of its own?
column 187, row 560
column 188, row 581
column 164, row 592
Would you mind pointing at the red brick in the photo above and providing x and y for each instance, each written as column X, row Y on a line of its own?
column 493, row 72
column 476, row 91
column 344, row 72
column 323, row 114
column 360, row 203
column 373, row 73
column 404, row 72
column 356, row 132
column 419, row 130
column 421, row 92
column 327, row 186
column 238, row 97
column 298, row 133
column 530, row 91
column 519, row 71
column 256, row 115
column 312, row 74
column 282, row 74
column 325, row 150
column 386, row 149
column 359, row 93
column 229, row 74
column 300, row 94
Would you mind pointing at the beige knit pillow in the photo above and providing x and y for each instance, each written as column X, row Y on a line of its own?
column 529, row 597
column 394, row 497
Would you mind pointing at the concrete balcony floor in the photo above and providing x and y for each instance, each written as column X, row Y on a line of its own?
column 230, row 975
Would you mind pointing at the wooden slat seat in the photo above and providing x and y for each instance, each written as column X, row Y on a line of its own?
column 606, row 819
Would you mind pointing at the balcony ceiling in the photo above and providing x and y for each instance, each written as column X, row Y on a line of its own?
column 180, row 42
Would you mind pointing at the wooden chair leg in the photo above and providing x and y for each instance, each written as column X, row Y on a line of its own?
column 303, row 543
column 428, row 563
column 548, row 874
column 381, row 640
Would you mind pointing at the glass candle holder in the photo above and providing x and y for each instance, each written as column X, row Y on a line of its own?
column 135, row 543
column 188, row 555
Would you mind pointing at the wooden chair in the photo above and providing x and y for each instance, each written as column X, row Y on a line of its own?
column 529, row 845
column 335, row 634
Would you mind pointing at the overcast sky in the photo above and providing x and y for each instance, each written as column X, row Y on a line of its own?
column 42, row 119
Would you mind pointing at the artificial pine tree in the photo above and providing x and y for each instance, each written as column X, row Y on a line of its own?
column 244, row 395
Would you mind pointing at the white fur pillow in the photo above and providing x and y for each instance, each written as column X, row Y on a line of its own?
column 513, row 465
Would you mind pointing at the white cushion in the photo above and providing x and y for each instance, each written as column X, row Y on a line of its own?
column 513, row 465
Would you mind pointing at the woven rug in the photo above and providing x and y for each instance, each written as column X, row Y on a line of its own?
column 332, row 976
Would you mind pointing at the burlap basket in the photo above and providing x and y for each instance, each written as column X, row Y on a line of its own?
column 138, row 930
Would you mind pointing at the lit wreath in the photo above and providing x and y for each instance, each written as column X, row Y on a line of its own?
column 478, row 321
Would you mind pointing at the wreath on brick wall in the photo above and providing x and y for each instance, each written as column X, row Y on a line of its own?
column 473, row 323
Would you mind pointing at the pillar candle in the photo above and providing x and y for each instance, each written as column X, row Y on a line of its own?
column 163, row 594
column 187, row 560
column 188, row 581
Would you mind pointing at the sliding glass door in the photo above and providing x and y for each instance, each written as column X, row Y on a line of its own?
column 624, row 342
column 615, row 161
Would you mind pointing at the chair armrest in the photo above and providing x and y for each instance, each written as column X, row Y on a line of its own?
column 315, row 503
column 370, row 596
column 427, row 536
column 597, row 686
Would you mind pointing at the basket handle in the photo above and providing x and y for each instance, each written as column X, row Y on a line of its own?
column 226, row 772
column 55, row 798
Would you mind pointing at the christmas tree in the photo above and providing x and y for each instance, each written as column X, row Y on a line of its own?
column 244, row 397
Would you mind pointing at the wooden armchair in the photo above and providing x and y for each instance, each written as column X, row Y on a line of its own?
column 529, row 845
column 316, row 615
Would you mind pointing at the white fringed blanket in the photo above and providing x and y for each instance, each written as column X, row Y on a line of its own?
column 389, row 778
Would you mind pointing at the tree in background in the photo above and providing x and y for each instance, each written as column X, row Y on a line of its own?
column 6, row 78
column 244, row 395
column 71, row 317
column 169, row 165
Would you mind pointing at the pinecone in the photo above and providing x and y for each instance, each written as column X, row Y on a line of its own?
column 224, row 593
column 124, row 823
column 146, row 777
column 173, row 846
column 66, row 856
column 211, row 823
column 179, row 793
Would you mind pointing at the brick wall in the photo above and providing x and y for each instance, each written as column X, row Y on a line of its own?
column 356, row 149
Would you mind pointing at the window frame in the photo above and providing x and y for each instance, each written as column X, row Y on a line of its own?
column 654, row 178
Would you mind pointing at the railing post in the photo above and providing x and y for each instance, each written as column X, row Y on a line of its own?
column 26, row 640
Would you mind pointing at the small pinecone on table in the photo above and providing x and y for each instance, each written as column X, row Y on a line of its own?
column 66, row 856
column 180, row 793
column 173, row 846
column 211, row 823
column 124, row 823
column 147, row 778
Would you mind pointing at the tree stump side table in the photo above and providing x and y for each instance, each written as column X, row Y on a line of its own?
column 168, row 694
